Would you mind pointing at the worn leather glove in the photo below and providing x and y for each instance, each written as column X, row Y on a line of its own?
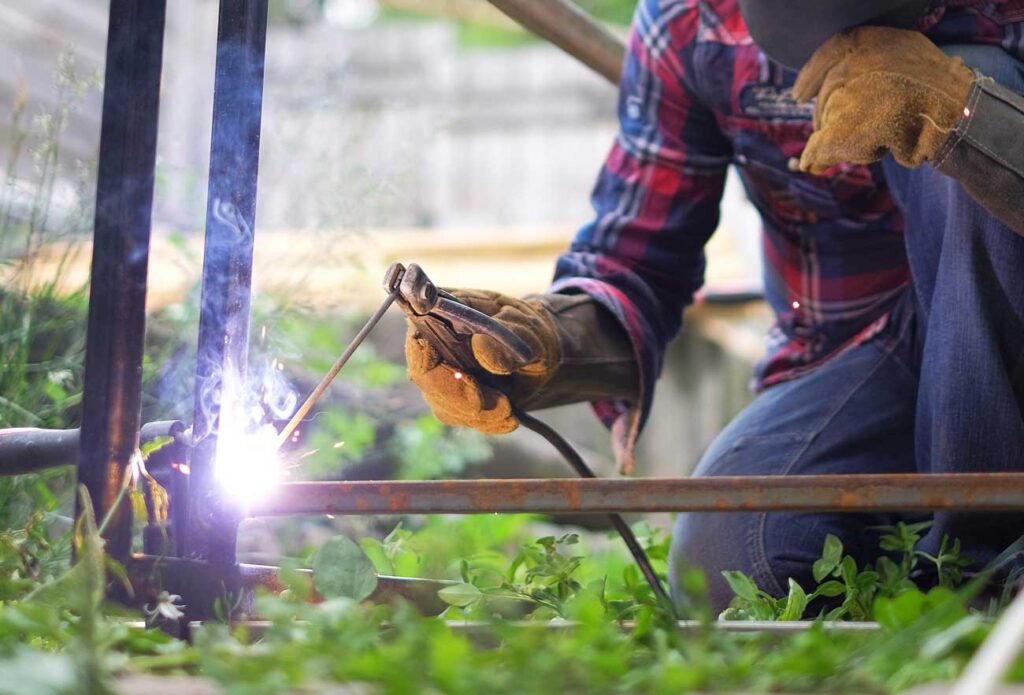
column 582, row 354
column 880, row 89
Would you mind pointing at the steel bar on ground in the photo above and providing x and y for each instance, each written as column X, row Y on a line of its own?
column 111, row 401
column 571, row 29
column 965, row 491
column 227, row 271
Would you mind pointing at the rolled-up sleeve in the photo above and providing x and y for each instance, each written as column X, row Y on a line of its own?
column 656, row 203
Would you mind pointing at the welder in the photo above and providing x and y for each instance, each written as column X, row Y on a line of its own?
column 882, row 142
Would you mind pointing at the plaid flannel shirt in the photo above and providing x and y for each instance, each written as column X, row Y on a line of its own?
column 696, row 96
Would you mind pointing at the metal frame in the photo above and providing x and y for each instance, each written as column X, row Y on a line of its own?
column 204, row 525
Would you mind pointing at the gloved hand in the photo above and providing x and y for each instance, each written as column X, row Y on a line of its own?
column 880, row 89
column 581, row 354
column 456, row 397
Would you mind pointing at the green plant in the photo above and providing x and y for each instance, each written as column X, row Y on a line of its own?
column 838, row 577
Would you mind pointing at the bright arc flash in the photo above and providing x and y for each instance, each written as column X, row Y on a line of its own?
column 248, row 465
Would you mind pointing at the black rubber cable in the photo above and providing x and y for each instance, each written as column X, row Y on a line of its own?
column 574, row 459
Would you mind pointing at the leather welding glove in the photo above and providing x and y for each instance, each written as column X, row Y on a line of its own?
column 582, row 354
column 880, row 89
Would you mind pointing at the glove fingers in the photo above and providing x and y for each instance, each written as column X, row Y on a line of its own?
column 484, row 301
column 457, row 399
column 420, row 355
column 813, row 74
column 849, row 132
column 496, row 358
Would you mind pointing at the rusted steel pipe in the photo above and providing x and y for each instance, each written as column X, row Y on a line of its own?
column 202, row 584
column 844, row 493
column 571, row 29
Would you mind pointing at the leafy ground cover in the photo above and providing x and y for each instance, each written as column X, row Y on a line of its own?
column 550, row 619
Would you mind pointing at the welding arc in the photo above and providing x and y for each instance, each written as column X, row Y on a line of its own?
column 282, row 436
column 574, row 459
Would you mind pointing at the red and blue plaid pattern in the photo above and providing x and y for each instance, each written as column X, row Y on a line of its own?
column 696, row 96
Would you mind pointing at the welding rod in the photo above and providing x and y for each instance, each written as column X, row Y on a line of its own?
column 304, row 409
column 570, row 28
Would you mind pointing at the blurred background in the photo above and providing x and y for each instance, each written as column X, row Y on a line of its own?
column 428, row 131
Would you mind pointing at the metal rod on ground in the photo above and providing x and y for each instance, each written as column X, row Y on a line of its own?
column 987, row 669
column 571, row 29
column 303, row 411
column 574, row 459
column 842, row 493
column 112, row 392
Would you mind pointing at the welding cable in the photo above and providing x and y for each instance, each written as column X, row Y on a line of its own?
column 574, row 459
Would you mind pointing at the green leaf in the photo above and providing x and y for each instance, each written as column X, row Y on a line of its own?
column 796, row 602
column 897, row 613
column 742, row 585
column 833, row 550
column 821, row 569
column 829, row 589
column 155, row 444
column 848, row 571
column 460, row 595
column 342, row 569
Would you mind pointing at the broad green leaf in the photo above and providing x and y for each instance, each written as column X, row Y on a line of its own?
column 897, row 613
column 821, row 569
column 829, row 589
column 833, row 550
column 796, row 602
column 460, row 595
column 742, row 585
column 342, row 570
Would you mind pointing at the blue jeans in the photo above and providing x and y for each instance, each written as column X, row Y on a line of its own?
column 941, row 389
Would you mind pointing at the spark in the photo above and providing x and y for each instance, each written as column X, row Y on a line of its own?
column 280, row 366
column 457, row 375
column 182, row 468
column 796, row 305
column 263, row 333
column 309, row 453
column 329, row 516
column 338, row 445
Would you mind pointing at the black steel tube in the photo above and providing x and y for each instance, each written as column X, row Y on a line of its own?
column 111, row 402
column 571, row 29
column 843, row 493
column 227, row 269
column 30, row 449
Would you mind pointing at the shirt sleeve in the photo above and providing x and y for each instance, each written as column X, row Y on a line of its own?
column 656, row 203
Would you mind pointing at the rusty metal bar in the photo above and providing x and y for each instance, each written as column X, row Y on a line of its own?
column 845, row 493
column 111, row 400
column 201, row 585
column 227, row 272
column 574, row 31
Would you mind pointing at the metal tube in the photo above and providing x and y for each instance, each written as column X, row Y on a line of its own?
column 227, row 269
column 111, row 402
column 571, row 29
column 844, row 493
column 30, row 449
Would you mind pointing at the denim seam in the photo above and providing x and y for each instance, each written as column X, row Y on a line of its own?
column 757, row 536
